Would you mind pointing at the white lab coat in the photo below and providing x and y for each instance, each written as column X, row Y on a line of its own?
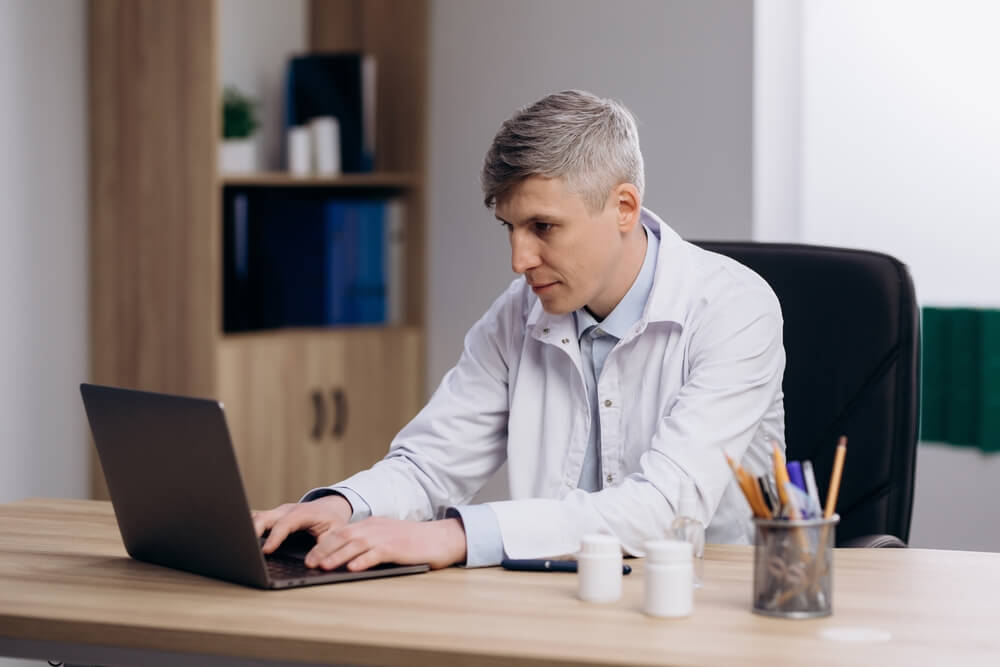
column 699, row 374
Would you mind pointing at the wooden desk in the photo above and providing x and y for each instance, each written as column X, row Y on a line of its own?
column 68, row 591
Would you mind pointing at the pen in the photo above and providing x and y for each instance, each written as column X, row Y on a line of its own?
column 807, row 471
column 794, row 469
column 545, row 565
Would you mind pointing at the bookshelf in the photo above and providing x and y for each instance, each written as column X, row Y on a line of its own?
column 305, row 406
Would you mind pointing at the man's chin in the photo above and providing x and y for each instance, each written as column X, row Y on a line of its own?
column 556, row 307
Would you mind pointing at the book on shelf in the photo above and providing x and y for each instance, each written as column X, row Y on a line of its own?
column 310, row 261
column 341, row 85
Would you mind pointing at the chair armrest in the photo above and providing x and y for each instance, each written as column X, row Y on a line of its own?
column 875, row 542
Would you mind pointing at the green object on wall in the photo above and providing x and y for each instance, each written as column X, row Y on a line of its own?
column 960, row 393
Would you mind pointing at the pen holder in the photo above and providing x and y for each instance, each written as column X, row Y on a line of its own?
column 793, row 567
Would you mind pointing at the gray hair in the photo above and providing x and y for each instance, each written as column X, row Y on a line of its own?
column 590, row 142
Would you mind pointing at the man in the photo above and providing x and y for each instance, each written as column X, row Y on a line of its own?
column 611, row 376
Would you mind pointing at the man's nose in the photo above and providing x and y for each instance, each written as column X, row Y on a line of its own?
column 523, row 252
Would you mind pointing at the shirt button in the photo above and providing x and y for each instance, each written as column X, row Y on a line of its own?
column 565, row 340
column 607, row 403
column 611, row 478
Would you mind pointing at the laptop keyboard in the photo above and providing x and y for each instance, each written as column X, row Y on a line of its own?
column 283, row 567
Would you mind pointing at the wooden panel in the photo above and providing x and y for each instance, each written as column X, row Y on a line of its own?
column 396, row 34
column 383, row 382
column 155, row 267
column 64, row 577
column 260, row 378
column 155, row 278
column 335, row 25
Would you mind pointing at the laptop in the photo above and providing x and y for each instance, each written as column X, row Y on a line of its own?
column 178, row 497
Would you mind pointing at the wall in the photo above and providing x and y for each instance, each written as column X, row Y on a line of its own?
column 890, row 112
column 43, row 256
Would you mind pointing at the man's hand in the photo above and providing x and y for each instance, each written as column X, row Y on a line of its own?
column 317, row 516
column 379, row 540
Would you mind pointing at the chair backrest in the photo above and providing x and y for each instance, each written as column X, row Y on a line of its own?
column 852, row 342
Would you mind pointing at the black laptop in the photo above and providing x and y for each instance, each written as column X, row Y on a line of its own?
column 177, row 494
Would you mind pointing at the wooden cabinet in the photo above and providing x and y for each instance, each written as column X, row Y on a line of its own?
column 305, row 407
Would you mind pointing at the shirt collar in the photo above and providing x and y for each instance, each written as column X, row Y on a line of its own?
column 629, row 310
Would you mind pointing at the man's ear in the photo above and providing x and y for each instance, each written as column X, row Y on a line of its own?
column 629, row 206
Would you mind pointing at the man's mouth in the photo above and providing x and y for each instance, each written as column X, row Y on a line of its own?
column 541, row 287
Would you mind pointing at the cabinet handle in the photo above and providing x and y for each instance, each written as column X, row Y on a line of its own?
column 319, row 411
column 339, row 412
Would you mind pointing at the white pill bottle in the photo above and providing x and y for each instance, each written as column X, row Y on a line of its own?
column 669, row 578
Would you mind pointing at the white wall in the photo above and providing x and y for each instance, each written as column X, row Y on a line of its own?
column 901, row 138
column 881, row 130
column 43, row 254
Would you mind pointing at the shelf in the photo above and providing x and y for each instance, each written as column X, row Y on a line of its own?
column 292, row 333
column 401, row 180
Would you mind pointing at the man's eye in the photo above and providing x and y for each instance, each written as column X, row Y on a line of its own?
column 542, row 227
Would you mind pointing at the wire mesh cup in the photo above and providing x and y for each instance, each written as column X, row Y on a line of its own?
column 793, row 567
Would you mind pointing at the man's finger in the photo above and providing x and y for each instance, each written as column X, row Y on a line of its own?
column 297, row 518
column 368, row 559
column 326, row 544
column 262, row 521
column 350, row 551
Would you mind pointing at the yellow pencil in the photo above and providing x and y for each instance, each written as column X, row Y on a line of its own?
column 780, row 472
column 838, row 469
column 742, row 478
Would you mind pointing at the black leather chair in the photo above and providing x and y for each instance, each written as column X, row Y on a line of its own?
column 852, row 341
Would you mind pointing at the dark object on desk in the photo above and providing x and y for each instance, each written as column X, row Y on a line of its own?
column 852, row 343
column 177, row 493
column 545, row 565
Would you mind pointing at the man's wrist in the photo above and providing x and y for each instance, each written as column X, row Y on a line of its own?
column 454, row 539
column 339, row 504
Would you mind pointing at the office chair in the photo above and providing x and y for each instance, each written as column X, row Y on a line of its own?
column 852, row 343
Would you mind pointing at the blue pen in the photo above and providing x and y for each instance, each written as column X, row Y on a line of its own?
column 795, row 475
column 545, row 565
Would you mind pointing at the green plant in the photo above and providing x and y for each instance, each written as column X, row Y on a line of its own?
column 239, row 114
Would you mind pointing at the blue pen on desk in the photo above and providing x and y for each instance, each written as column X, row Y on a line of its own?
column 545, row 565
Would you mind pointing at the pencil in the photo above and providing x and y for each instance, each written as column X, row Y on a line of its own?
column 743, row 479
column 780, row 473
column 838, row 469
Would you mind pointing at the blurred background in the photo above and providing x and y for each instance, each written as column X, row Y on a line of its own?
column 842, row 122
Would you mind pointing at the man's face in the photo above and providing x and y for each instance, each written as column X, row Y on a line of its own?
column 568, row 253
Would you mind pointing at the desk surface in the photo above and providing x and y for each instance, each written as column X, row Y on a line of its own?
column 65, row 580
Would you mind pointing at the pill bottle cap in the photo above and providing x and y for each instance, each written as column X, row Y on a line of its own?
column 600, row 545
column 668, row 551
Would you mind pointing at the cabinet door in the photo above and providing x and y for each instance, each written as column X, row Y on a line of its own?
column 262, row 380
column 308, row 409
column 382, row 386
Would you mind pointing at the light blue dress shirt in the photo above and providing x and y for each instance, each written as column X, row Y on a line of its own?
column 484, row 542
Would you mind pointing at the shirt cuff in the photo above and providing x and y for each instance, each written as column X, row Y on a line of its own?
column 359, row 508
column 483, row 540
